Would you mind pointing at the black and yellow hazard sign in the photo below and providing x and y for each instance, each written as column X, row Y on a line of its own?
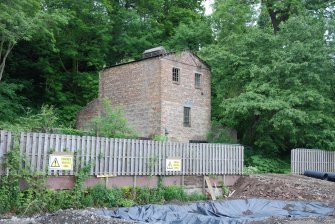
column 55, row 163
column 173, row 164
column 61, row 161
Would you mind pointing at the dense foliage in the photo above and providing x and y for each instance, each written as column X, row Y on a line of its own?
column 272, row 61
column 273, row 81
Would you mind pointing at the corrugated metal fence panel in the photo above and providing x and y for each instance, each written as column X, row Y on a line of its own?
column 312, row 159
column 129, row 157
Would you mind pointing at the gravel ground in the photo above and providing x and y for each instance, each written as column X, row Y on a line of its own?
column 271, row 186
column 68, row 216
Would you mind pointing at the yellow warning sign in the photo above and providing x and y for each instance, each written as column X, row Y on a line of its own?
column 55, row 163
column 61, row 161
column 173, row 164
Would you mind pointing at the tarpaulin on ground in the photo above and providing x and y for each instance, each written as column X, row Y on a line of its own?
column 228, row 211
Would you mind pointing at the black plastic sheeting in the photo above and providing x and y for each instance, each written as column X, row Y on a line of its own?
column 229, row 211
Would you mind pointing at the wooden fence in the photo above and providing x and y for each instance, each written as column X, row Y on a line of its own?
column 5, row 145
column 312, row 159
column 117, row 157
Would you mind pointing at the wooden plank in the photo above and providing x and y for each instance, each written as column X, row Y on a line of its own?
column 128, row 158
column 83, row 149
column 115, row 148
column 160, row 159
column 144, row 161
column 109, row 148
column 3, row 142
column 106, row 152
column 9, row 141
column 22, row 145
column 33, row 153
column 97, row 155
column 210, row 188
column 73, row 148
column 120, row 153
column 51, row 148
column 132, row 157
column 39, row 164
column 140, row 167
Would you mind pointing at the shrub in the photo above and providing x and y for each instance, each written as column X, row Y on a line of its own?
column 262, row 164
column 174, row 192
column 111, row 123
column 195, row 196
column 102, row 196
column 126, row 202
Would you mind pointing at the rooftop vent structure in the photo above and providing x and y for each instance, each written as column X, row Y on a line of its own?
column 153, row 52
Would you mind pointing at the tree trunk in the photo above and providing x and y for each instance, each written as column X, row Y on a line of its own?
column 3, row 59
column 276, row 15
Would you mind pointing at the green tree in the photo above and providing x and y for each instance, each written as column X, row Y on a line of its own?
column 17, row 22
column 276, row 89
column 58, row 63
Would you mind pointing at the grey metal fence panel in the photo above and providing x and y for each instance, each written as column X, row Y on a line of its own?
column 312, row 159
column 111, row 156
column 5, row 145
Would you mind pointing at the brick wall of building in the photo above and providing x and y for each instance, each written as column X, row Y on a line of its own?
column 136, row 87
column 87, row 113
column 152, row 103
column 176, row 96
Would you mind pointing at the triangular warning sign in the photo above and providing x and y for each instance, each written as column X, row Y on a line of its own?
column 55, row 163
column 170, row 165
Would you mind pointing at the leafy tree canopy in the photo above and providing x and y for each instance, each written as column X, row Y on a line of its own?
column 275, row 86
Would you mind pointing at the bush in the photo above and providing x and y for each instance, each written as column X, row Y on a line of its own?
column 174, row 193
column 102, row 196
column 261, row 164
column 220, row 134
column 195, row 196
column 111, row 123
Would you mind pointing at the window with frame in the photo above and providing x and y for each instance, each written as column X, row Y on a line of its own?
column 175, row 75
column 187, row 117
column 197, row 80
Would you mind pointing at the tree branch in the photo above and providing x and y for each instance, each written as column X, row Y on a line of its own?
column 1, row 44
column 3, row 63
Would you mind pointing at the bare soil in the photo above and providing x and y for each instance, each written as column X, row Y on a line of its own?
column 270, row 186
column 285, row 187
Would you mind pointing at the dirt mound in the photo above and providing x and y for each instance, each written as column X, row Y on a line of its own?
column 287, row 187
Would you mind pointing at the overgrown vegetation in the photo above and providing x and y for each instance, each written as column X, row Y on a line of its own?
column 255, row 163
column 33, row 196
column 111, row 123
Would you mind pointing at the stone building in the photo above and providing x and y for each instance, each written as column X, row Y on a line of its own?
column 161, row 94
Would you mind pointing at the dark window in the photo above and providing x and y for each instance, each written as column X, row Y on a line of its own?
column 175, row 75
column 187, row 116
column 197, row 79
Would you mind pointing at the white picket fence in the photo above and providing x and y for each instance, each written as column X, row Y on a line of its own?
column 117, row 157
column 312, row 159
